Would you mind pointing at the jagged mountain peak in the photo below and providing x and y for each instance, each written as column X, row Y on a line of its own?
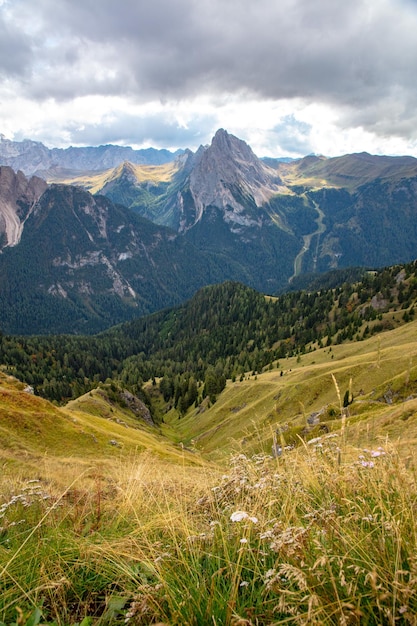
column 227, row 143
column 225, row 171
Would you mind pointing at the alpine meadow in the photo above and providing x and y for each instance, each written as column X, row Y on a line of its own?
column 208, row 387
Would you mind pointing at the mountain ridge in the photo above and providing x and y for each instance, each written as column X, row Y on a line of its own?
column 33, row 157
column 214, row 215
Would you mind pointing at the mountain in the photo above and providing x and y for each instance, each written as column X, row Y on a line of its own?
column 222, row 200
column 151, row 235
column 83, row 263
column 279, row 220
column 33, row 157
column 17, row 198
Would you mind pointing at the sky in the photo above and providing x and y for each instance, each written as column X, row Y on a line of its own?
column 290, row 77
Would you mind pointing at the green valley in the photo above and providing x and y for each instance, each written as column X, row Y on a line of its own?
column 238, row 447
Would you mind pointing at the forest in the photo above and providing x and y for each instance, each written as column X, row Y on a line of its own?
column 225, row 331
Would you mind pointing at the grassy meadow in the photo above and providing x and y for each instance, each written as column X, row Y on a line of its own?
column 104, row 520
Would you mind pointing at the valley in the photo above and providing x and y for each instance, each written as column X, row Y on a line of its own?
column 298, row 261
column 105, row 518
column 131, row 238
column 186, row 437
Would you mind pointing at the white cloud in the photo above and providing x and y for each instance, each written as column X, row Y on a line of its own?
column 289, row 77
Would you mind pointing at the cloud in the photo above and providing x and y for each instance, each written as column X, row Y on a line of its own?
column 15, row 49
column 292, row 136
column 357, row 57
column 160, row 129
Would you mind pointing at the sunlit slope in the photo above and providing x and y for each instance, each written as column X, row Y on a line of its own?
column 349, row 171
column 89, row 429
column 381, row 373
column 95, row 182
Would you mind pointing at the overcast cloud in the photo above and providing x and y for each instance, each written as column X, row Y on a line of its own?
column 288, row 76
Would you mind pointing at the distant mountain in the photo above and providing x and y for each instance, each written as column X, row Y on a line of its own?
column 152, row 234
column 32, row 157
column 287, row 218
column 83, row 263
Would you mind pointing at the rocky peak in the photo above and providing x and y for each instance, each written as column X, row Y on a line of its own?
column 18, row 195
column 127, row 171
column 226, row 169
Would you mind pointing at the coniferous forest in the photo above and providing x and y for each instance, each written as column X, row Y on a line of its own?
column 223, row 332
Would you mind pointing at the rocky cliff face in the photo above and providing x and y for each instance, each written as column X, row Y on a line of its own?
column 18, row 196
column 83, row 264
column 229, row 176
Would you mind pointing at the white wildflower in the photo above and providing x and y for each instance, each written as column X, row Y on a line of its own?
column 239, row 516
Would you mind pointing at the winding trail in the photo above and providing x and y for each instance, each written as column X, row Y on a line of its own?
column 307, row 243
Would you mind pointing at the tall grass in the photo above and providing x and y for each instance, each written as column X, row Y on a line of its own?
column 301, row 539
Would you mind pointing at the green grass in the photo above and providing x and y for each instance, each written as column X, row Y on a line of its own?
column 147, row 531
column 248, row 411
column 322, row 535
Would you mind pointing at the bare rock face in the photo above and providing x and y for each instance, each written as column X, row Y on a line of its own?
column 137, row 407
column 228, row 175
column 18, row 195
column 32, row 156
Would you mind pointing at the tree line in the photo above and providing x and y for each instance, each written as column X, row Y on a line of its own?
column 223, row 332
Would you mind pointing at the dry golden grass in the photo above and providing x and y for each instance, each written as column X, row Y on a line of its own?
column 247, row 412
column 95, row 181
column 146, row 531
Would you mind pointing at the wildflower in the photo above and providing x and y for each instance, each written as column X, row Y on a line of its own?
column 239, row 516
column 244, row 583
column 367, row 464
column 268, row 534
column 214, row 523
column 375, row 453
column 243, row 540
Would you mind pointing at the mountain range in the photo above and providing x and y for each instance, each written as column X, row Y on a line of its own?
column 33, row 157
column 103, row 239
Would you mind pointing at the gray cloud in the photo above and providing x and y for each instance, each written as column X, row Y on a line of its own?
column 357, row 55
column 15, row 50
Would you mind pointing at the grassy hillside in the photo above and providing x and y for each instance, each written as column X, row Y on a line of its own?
column 92, row 429
column 380, row 373
column 150, row 533
column 107, row 520
column 349, row 171
column 96, row 181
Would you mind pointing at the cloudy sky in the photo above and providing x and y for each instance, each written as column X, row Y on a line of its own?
column 290, row 77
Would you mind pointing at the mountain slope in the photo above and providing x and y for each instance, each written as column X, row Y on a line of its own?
column 33, row 157
column 226, row 329
column 68, row 265
column 17, row 198
column 349, row 171
column 382, row 382
column 91, row 429
column 84, row 263
column 281, row 221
